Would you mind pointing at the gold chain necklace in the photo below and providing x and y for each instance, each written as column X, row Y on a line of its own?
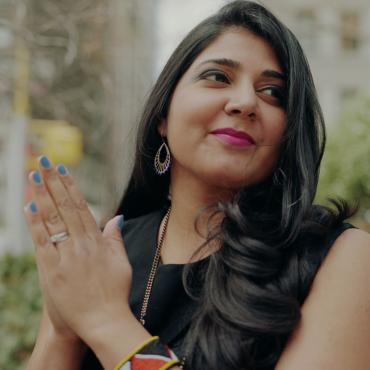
column 153, row 270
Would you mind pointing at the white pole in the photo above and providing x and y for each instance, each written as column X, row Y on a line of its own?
column 16, row 237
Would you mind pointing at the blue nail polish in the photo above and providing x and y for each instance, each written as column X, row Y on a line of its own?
column 120, row 222
column 44, row 161
column 33, row 207
column 61, row 169
column 36, row 177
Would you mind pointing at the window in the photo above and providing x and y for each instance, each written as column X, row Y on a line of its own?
column 350, row 30
column 307, row 28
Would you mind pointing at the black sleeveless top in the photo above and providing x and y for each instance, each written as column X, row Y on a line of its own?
column 170, row 309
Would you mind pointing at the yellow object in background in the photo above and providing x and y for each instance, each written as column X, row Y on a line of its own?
column 60, row 141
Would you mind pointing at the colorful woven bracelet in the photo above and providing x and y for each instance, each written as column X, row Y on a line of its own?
column 152, row 354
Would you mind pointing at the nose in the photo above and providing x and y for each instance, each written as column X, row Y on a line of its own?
column 242, row 102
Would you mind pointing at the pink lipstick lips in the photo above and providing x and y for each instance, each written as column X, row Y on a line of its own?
column 234, row 137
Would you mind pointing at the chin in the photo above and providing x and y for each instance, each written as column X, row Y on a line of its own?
column 225, row 181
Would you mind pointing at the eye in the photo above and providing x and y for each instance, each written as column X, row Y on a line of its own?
column 276, row 92
column 214, row 75
column 272, row 91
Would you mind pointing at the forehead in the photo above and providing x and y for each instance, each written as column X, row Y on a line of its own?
column 243, row 46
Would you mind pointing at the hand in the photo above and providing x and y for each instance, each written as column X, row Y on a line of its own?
column 88, row 276
column 53, row 333
column 52, row 323
column 55, row 351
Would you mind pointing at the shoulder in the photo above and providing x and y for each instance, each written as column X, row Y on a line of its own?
column 141, row 223
column 334, row 331
column 139, row 235
column 350, row 252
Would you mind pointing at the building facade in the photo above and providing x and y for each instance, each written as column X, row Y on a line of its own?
column 336, row 38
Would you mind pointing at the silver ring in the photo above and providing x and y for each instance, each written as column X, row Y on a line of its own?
column 60, row 237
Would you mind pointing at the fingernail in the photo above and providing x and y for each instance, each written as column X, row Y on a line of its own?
column 120, row 222
column 61, row 169
column 36, row 177
column 44, row 161
column 32, row 206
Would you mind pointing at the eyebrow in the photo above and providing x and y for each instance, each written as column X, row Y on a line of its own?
column 236, row 65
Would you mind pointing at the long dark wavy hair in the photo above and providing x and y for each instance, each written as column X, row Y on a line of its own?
column 272, row 234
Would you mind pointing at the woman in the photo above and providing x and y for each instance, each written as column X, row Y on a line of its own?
column 221, row 196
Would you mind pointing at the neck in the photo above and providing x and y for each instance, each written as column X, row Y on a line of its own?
column 188, row 197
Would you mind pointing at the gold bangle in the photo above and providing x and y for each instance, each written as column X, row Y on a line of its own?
column 135, row 350
column 170, row 364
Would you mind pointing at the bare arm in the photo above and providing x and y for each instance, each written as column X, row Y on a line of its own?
column 51, row 351
column 113, row 342
column 334, row 332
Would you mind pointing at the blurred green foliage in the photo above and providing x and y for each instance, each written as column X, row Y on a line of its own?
column 20, row 309
column 345, row 169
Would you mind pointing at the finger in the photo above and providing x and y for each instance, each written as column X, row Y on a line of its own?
column 112, row 233
column 112, row 229
column 47, row 255
column 48, row 210
column 86, row 215
column 61, row 198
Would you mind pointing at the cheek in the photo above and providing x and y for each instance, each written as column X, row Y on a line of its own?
column 266, row 158
column 273, row 128
column 267, row 154
column 193, row 108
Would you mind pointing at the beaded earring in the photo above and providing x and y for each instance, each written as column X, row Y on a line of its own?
column 162, row 167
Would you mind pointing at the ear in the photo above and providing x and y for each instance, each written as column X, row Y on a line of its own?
column 162, row 128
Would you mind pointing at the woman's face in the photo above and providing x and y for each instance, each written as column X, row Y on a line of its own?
column 235, row 83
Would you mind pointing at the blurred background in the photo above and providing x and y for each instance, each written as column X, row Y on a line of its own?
column 73, row 79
